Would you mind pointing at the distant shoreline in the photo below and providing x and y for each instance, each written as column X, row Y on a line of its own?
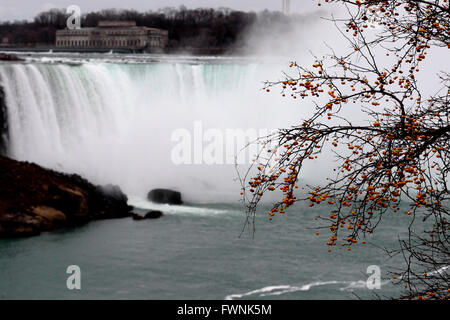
column 169, row 51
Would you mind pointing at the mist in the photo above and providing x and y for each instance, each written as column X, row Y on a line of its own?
column 113, row 121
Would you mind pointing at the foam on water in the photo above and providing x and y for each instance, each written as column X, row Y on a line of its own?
column 190, row 210
column 439, row 271
column 285, row 289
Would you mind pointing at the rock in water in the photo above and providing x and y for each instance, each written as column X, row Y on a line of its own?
column 153, row 214
column 137, row 217
column 9, row 57
column 34, row 199
column 165, row 196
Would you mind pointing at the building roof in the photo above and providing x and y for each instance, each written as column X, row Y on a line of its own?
column 112, row 24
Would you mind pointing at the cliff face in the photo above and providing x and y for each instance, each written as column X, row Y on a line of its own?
column 34, row 199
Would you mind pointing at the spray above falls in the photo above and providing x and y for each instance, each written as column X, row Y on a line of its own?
column 114, row 122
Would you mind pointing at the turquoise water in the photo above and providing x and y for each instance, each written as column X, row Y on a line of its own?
column 196, row 252
column 112, row 122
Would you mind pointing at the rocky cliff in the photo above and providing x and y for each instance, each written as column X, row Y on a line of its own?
column 34, row 199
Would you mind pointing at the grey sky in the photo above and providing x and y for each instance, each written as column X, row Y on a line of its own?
column 27, row 9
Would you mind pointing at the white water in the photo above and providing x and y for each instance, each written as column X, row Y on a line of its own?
column 286, row 289
column 112, row 122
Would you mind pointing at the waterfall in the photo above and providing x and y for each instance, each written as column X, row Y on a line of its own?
column 112, row 122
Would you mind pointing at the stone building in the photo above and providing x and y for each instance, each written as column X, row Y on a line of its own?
column 110, row 35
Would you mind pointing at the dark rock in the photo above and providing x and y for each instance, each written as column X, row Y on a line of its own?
column 3, row 123
column 17, row 224
column 153, row 214
column 165, row 196
column 9, row 57
column 34, row 199
column 137, row 217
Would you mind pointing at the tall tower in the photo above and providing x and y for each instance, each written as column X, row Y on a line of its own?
column 286, row 6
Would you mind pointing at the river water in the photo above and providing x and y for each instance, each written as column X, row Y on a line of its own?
column 111, row 118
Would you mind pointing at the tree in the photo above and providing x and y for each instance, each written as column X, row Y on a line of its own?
column 52, row 18
column 395, row 160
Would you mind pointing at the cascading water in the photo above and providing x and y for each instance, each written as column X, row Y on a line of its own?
column 113, row 122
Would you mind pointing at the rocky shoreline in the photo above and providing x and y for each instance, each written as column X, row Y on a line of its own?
column 9, row 57
column 34, row 199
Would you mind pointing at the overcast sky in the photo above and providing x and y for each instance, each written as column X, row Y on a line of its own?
column 27, row 9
